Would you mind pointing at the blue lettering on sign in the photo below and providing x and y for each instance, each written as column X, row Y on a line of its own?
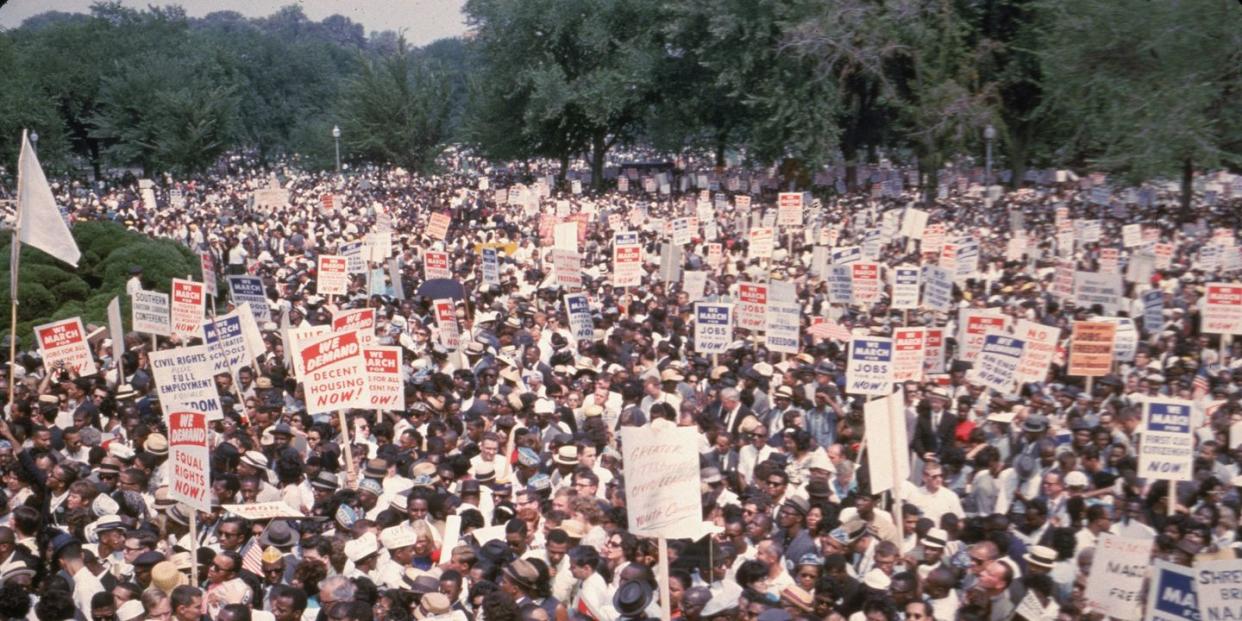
column 713, row 314
column 1175, row 595
column 224, row 328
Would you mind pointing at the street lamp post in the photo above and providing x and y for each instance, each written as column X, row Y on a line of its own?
column 34, row 141
column 336, row 137
column 989, row 134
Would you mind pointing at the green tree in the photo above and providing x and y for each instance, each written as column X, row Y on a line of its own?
column 397, row 110
column 1149, row 88
column 576, row 74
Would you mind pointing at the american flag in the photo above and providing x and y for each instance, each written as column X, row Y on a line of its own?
column 830, row 330
column 252, row 560
column 1201, row 385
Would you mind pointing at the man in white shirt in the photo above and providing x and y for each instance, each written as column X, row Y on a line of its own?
column 934, row 498
column 85, row 584
column 489, row 452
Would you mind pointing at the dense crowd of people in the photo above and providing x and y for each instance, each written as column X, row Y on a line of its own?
column 514, row 437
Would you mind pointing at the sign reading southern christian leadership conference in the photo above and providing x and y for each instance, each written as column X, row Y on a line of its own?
column 713, row 329
column 1167, row 449
column 335, row 373
column 870, row 367
column 187, row 452
column 662, row 481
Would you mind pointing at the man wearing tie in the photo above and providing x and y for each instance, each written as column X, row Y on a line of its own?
column 936, row 425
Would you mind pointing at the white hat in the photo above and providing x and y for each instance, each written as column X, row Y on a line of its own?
column 255, row 459
column 544, row 406
column 877, row 579
column 398, row 537
column 819, row 461
column 1076, row 479
column 361, row 547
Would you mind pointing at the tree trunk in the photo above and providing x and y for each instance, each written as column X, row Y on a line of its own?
column 850, row 151
column 722, row 139
column 1188, row 182
column 560, row 176
column 599, row 148
column 1017, row 161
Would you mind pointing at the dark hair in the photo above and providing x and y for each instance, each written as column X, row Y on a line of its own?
column 14, row 601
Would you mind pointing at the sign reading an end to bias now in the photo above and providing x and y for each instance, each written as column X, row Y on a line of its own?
column 870, row 368
column 1167, row 447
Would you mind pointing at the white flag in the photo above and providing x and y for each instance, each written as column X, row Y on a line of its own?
column 39, row 222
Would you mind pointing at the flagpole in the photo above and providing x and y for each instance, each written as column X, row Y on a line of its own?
column 16, row 251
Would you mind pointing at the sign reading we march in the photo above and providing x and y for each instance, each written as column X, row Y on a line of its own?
column 1167, row 449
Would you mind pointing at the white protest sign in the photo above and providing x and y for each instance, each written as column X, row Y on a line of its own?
column 149, row 312
column 189, row 459
column 760, row 243
column 384, row 384
column 264, row 510
column 578, row 307
column 490, row 266
column 694, row 282
column 789, row 208
column 1218, row 585
column 997, row 362
column 207, row 263
column 1117, row 575
column 865, row 278
column 905, row 287
column 332, row 277
column 783, row 320
column 662, row 482
column 436, row 265
column 1171, row 594
column 63, row 345
column 1040, row 347
column 846, row 254
column 840, row 284
column 1167, row 450
column 567, row 268
column 335, row 373
column 752, row 305
column 933, row 351
column 1105, row 289
column 877, row 419
column 188, row 303
column 1131, row 235
column 937, row 289
column 232, row 341
column 870, row 367
column 1153, row 310
column 1222, row 308
column 908, row 353
column 913, row 223
column 355, row 262
column 184, row 380
column 975, row 324
column 713, row 330
column 446, row 323
column 627, row 257
column 379, row 245
column 250, row 289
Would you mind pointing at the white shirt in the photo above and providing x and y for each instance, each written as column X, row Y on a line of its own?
column 938, row 503
column 85, row 586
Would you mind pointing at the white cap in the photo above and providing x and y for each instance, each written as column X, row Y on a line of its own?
column 361, row 547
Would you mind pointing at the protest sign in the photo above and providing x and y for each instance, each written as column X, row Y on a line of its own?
column 781, row 330
column 913, row 223
column 694, row 282
column 567, row 268
column 937, row 289
column 1140, row 268
column 207, row 263
column 490, row 262
column 63, row 347
column 394, row 277
column 188, row 303
column 840, row 284
column 332, row 277
column 384, row 383
column 905, row 287
column 908, row 353
column 846, row 254
column 997, row 362
column 1105, row 289
column 1164, row 255
column 1171, row 596
column 682, row 231
column 378, row 244
column 263, row 510
column 662, row 484
column 1091, row 348
column 355, row 262
column 887, row 452
column 1117, row 574
column 1218, row 584
column 966, row 261
column 1168, row 449
column 360, row 319
column 436, row 265
column 184, row 380
column 1125, row 343
column 1109, row 260
column 149, row 312
column 627, row 257
column 670, row 262
column 760, row 243
column 446, row 322
column 250, row 290
column 1153, row 310
column 713, row 330
column 752, row 305
column 870, row 367
column 715, row 255
column 933, row 239
column 233, row 341
column 438, row 224
column 1063, row 280
column 789, row 208
column 1222, row 308
column 975, row 324
column 579, row 310
column 933, row 351
column 1041, row 346
column 866, row 282
column 335, row 373
column 189, row 457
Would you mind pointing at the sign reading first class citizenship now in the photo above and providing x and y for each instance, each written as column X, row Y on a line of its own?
column 1167, row 449
column 1222, row 308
